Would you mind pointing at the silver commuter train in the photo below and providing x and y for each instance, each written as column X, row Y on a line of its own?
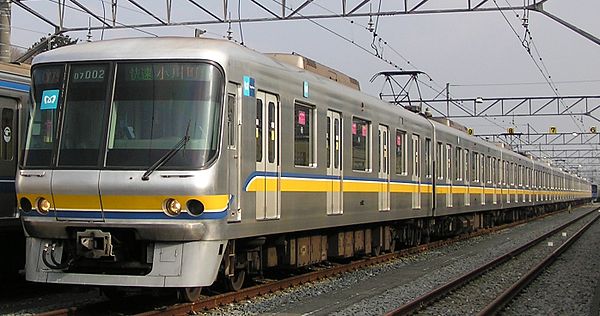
column 171, row 162
column 14, row 96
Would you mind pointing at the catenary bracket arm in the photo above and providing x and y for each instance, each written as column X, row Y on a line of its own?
column 35, row 13
column 538, row 8
column 92, row 14
column 205, row 10
column 141, row 7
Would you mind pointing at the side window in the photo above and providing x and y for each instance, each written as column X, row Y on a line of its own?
column 511, row 174
column 328, row 141
column 439, row 161
column 475, row 167
column 303, row 136
column 427, row 157
column 360, row 144
column 458, row 164
column 490, row 169
column 416, row 145
column 337, row 140
column 231, row 121
column 401, row 152
column 467, row 176
column 449, row 161
column 482, row 168
column 6, row 150
column 272, row 145
column 259, row 131
column 494, row 170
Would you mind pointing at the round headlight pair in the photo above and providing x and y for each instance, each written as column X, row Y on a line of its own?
column 172, row 207
column 42, row 205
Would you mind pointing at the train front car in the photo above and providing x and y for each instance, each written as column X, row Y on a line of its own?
column 119, row 185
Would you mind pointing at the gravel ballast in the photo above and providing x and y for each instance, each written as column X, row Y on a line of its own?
column 378, row 289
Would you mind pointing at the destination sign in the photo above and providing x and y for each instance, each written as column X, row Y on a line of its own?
column 165, row 71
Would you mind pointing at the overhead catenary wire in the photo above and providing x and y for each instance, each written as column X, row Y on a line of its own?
column 494, row 84
column 546, row 75
column 119, row 23
column 391, row 63
column 440, row 89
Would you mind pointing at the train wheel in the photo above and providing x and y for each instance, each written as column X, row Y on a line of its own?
column 189, row 294
column 236, row 282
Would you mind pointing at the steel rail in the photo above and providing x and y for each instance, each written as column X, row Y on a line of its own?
column 443, row 290
column 262, row 289
column 503, row 299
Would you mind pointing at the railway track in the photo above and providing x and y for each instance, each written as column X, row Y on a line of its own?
column 491, row 286
column 166, row 307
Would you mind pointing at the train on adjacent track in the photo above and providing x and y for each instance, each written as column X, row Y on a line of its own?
column 177, row 162
column 14, row 109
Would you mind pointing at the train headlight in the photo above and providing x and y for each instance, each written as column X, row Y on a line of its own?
column 25, row 204
column 195, row 207
column 172, row 207
column 43, row 206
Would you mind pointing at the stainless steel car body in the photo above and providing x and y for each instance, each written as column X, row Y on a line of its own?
column 298, row 203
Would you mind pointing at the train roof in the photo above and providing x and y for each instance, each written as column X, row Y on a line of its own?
column 168, row 48
column 16, row 69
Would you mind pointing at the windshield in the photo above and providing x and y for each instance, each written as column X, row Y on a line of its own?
column 84, row 112
column 137, row 111
column 155, row 105
column 41, row 134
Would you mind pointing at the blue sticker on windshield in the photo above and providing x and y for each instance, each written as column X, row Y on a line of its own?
column 49, row 99
column 249, row 88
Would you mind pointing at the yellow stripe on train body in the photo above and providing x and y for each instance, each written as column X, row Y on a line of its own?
column 286, row 184
column 306, row 185
column 212, row 203
column 270, row 184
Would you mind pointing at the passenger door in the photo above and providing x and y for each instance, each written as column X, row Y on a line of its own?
column 483, row 173
column 8, row 160
column 334, row 163
column 416, row 172
column 384, row 169
column 467, row 177
column 267, row 157
column 494, row 180
column 449, row 174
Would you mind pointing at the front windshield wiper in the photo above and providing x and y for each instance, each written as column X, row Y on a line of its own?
column 166, row 157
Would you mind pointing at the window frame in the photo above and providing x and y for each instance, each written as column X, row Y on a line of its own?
column 404, row 153
column 368, row 150
column 312, row 139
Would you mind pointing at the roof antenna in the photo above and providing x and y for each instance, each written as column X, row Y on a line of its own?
column 89, row 34
column 229, row 31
